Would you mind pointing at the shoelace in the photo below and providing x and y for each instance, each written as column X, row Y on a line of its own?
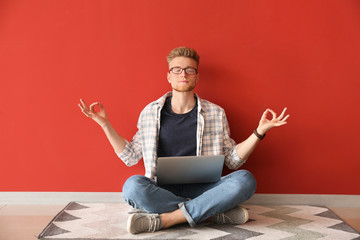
column 221, row 218
column 154, row 223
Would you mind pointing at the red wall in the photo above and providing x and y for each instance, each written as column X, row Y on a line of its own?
column 304, row 55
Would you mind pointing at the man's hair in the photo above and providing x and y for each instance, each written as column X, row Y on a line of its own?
column 183, row 52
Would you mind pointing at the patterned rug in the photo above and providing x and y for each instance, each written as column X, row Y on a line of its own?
column 103, row 221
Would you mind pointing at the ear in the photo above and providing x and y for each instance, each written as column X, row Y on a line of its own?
column 168, row 77
column 197, row 77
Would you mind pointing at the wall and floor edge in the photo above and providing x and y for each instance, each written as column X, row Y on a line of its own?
column 54, row 198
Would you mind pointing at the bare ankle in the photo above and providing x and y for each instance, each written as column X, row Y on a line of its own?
column 164, row 220
column 172, row 218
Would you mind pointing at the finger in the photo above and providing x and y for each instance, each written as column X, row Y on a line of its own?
column 264, row 114
column 287, row 116
column 92, row 106
column 80, row 106
column 273, row 113
column 101, row 106
column 86, row 113
column 84, row 104
column 278, row 124
column 282, row 114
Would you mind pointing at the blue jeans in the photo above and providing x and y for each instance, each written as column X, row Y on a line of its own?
column 197, row 202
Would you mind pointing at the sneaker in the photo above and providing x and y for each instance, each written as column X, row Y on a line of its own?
column 237, row 215
column 136, row 210
column 143, row 222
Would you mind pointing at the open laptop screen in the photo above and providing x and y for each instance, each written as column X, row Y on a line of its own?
column 189, row 169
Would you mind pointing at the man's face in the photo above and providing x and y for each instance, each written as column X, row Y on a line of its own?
column 183, row 82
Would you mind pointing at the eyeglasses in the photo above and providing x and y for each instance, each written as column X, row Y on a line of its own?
column 188, row 70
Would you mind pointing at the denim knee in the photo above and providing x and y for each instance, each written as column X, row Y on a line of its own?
column 132, row 186
column 246, row 182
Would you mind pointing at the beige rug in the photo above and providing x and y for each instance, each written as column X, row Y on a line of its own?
column 103, row 221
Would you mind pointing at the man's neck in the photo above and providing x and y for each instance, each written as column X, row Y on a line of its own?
column 182, row 102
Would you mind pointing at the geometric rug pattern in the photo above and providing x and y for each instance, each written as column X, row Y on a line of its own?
column 104, row 221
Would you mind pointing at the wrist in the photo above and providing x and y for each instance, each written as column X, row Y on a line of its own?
column 105, row 125
column 260, row 131
column 260, row 135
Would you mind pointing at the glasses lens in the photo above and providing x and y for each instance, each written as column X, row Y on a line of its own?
column 190, row 71
column 176, row 70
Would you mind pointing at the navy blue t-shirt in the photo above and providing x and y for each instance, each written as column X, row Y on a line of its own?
column 177, row 132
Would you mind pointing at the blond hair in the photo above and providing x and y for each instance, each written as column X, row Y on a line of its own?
column 183, row 52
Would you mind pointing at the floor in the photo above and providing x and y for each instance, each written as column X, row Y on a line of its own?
column 25, row 222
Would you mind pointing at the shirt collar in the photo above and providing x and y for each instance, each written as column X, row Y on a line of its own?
column 161, row 101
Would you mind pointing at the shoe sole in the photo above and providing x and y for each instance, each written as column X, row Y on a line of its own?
column 128, row 226
column 246, row 215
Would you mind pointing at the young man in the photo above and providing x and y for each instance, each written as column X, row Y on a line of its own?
column 180, row 123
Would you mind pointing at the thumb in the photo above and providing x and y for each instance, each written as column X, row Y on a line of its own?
column 263, row 117
column 92, row 106
column 101, row 106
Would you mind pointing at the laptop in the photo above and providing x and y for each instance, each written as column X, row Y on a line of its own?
column 189, row 169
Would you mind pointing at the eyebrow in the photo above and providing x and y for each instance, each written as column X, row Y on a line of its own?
column 184, row 67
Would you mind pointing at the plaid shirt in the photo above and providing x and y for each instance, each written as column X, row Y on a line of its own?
column 212, row 138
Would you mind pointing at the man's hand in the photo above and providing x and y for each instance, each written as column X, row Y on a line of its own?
column 266, row 124
column 99, row 117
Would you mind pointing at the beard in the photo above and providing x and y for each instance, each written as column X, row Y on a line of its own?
column 186, row 88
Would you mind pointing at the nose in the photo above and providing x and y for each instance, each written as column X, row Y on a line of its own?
column 183, row 72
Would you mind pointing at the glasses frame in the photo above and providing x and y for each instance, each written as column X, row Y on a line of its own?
column 183, row 69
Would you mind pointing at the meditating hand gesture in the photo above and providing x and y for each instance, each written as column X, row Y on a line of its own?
column 266, row 124
column 99, row 117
